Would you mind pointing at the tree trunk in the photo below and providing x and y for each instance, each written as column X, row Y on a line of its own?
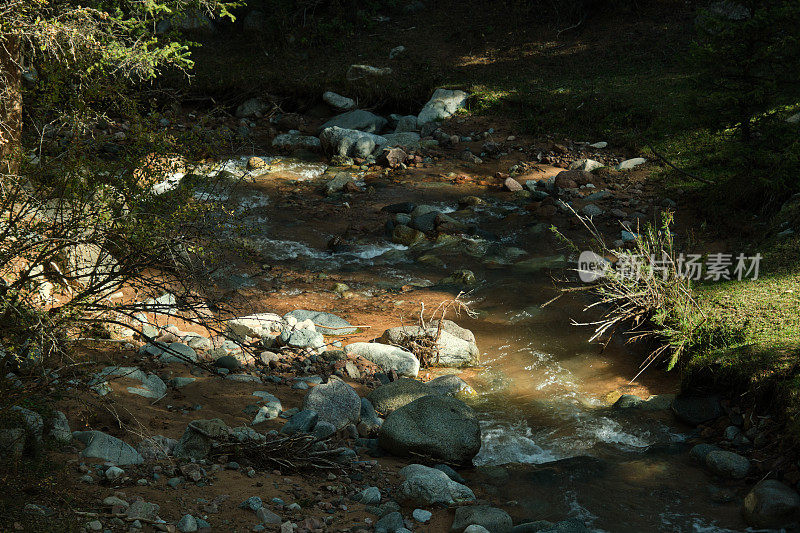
column 10, row 104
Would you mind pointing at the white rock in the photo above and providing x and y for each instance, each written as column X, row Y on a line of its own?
column 443, row 104
column 387, row 357
column 631, row 163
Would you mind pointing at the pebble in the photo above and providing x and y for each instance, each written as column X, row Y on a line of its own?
column 421, row 515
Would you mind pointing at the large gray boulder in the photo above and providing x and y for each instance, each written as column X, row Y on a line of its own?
column 493, row 519
column 335, row 402
column 443, row 104
column 358, row 119
column 392, row 396
column 427, row 486
column 771, row 504
column 325, row 323
column 349, row 143
column 103, row 446
column 387, row 357
column 453, row 351
column 439, row 427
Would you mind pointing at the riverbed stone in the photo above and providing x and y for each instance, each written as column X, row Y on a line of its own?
column 349, row 143
column 727, row 464
column 771, row 504
column 196, row 443
column 301, row 422
column 390, row 523
column 324, row 322
column 335, row 402
column 427, row 486
column 338, row 101
column 443, row 104
column 370, row 422
column 294, row 140
column 103, row 446
column 358, row 119
column 450, row 385
column 697, row 410
column 493, row 519
column 699, row 452
column 387, row 357
column 453, row 351
column 439, row 427
column 629, row 164
column 392, row 396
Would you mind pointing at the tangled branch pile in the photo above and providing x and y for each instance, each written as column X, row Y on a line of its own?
column 292, row 453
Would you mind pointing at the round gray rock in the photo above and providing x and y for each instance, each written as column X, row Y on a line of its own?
column 771, row 504
column 392, row 396
column 440, row 427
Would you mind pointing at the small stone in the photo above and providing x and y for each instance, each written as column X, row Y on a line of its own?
column 253, row 503
column 421, row 515
column 187, row 524
column 255, row 163
column 114, row 472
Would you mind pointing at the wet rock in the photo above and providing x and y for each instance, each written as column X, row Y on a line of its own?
column 450, row 385
column 440, row 427
column 452, row 351
column 697, row 410
column 347, row 142
column 493, row 519
column 325, row 323
column 392, row 396
column 402, row 234
column 294, row 140
column 358, row 119
column 338, row 182
column 198, row 438
column 443, row 104
column 628, row 401
column 771, row 504
column 301, row 422
column 108, row 448
column 428, row 486
column 338, row 101
column 335, row 402
column 387, row 357
column 727, row 464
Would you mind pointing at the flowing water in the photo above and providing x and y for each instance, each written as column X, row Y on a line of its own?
column 552, row 446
